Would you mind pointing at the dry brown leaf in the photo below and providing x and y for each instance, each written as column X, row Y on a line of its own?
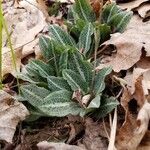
column 145, row 144
column 131, row 79
column 134, row 128
column 92, row 139
column 132, row 4
column 57, row 146
column 129, row 45
column 29, row 48
column 143, row 10
column 7, row 62
column 42, row 6
column 143, row 63
column 25, row 24
column 32, row 22
column 11, row 112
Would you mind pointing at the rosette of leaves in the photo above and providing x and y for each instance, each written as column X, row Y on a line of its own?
column 113, row 19
column 64, row 82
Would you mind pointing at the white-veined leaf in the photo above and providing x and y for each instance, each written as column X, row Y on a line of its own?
column 115, row 17
column 78, row 65
column 99, row 84
column 107, row 105
column 109, row 11
column 85, row 38
column 61, row 36
column 43, row 69
column 63, row 61
column 59, row 104
column 46, row 47
column 120, row 21
column 34, row 94
column 95, row 102
column 75, row 81
column 57, row 83
column 84, row 10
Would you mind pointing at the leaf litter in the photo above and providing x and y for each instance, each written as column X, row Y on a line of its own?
column 132, row 55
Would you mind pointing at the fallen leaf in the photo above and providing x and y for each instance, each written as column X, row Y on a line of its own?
column 132, row 4
column 132, row 78
column 93, row 139
column 32, row 22
column 143, row 63
column 7, row 62
column 145, row 143
column 24, row 25
column 129, row 45
column 135, row 126
column 144, row 10
column 11, row 113
column 57, row 146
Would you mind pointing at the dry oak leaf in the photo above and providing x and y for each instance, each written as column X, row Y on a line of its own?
column 132, row 4
column 11, row 113
column 134, row 128
column 129, row 45
column 25, row 23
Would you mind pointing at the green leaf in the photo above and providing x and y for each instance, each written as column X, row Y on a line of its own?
column 75, row 29
column 61, row 36
column 72, row 15
column 63, row 61
column 26, row 77
column 107, row 105
column 43, row 69
column 109, row 11
column 99, row 84
column 59, row 104
column 119, row 21
column 34, row 94
column 95, row 103
column 46, row 46
column 75, row 81
column 57, row 83
column 51, row 51
column 84, row 10
column 115, row 17
column 85, row 38
column 80, row 66
column 105, row 32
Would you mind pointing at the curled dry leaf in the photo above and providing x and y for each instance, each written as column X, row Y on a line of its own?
column 57, row 146
column 11, row 113
column 129, row 45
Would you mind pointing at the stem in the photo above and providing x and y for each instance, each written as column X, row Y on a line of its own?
column 97, row 40
column 1, row 27
column 100, row 12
